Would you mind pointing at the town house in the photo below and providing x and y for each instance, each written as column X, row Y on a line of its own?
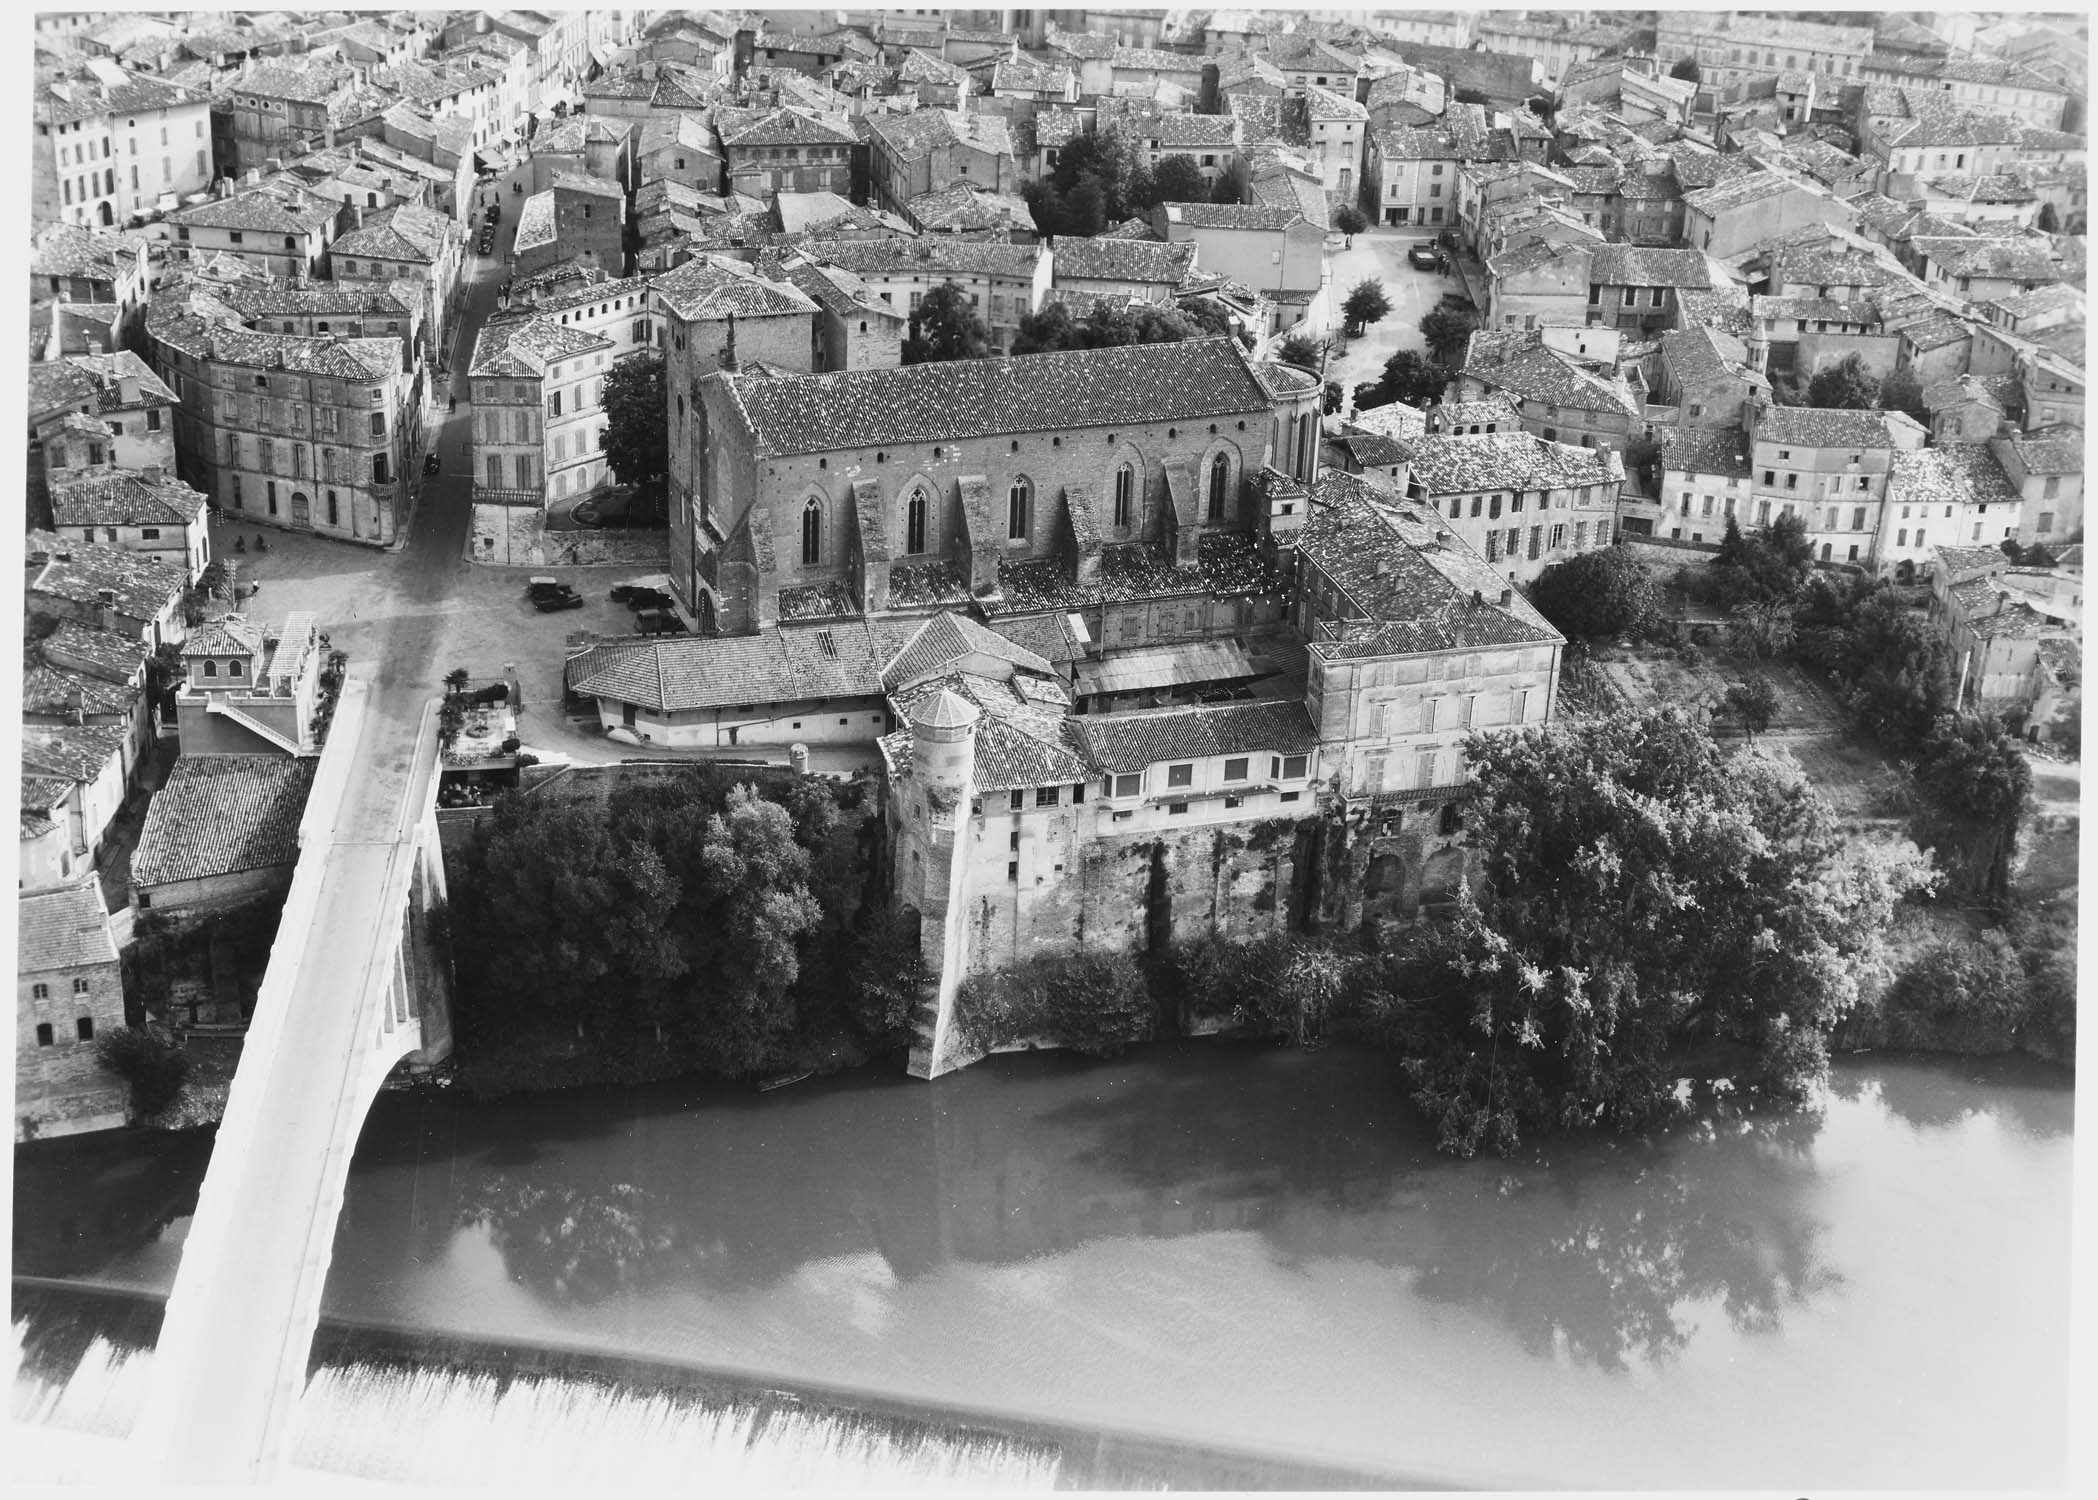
column 1831, row 466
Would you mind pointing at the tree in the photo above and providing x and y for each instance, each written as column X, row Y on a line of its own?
column 1771, row 566
column 1448, row 330
column 1751, row 704
column 1600, row 593
column 1106, row 327
column 1762, row 628
column 945, row 327
column 1178, row 179
column 1902, row 392
column 1687, row 70
column 1225, row 189
column 1648, row 899
column 455, row 681
column 1468, row 95
column 637, row 419
column 1207, row 317
column 155, row 1070
column 1366, row 304
column 1412, row 378
column 1899, row 670
column 1301, row 350
column 1350, row 221
column 1976, row 774
column 1846, row 384
column 2048, row 222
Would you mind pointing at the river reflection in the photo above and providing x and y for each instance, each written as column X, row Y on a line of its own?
column 1260, row 1247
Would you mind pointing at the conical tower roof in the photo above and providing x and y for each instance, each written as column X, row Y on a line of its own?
column 945, row 709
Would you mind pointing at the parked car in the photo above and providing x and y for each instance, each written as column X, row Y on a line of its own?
column 1423, row 258
column 639, row 596
column 495, row 212
column 431, row 464
column 551, row 593
column 658, row 622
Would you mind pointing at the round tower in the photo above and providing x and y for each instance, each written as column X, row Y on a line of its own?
column 943, row 741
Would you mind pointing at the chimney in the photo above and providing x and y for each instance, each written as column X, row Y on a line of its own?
column 106, row 608
column 1478, row 598
column 79, row 704
column 151, row 474
column 1507, row 597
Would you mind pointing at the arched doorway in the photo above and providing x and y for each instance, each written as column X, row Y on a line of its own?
column 103, row 213
column 301, row 509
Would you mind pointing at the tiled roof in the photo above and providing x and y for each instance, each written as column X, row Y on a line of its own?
column 2040, row 299
column 95, row 381
column 1185, row 132
column 1152, row 261
column 1633, row 265
column 70, row 250
column 2013, row 260
column 964, row 206
column 2048, row 455
column 64, row 927
column 281, row 210
column 102, row 653
column 713, row 287
column 1413, row 578
column 1200, row 378
column 122, row 499
column 1688, row 450
column 1025, row 75
column 1230, row 216
column 945, row 640
column 75, row 752
column 1447, row 462
column 1542, row 374
column 528, row 345
column 1133, row 741
column 1936, row 331
column 837, row 660
column 229, row 636
column 52, row 689
column 222, row 815
column 77, row 571
column 935, row 255
column 1956, row 474
column 1827, row 427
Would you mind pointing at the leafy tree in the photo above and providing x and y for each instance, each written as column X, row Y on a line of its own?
column 1178, row 179
column 1899, row 670
column 1902, row 392
column 455, row 681
column 2048, row 222
column 1225, row 189
column 1412, row 378
column 1366, row 304
column 1105, row 327
column 1469, row 95
column 1976, row 773
column 1206, row 316
column 1847, row 384
column 155, row 1070
column 637, row 419
column 1687, row 70
column 1763, row 628
column 1751, row 704
column 1770, row 566
column 1544, row 106
column 1350, row 221
column 945, row 327
column 1649, row 898
column 1301, row 350
column 1599, row 593
column 1786, row 390
column 1448, row 330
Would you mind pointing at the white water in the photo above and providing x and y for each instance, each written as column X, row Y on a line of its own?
column 549, row 1431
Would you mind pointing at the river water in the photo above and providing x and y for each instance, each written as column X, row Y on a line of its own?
column 1234, row 1246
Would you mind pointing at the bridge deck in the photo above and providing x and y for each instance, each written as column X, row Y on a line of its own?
column 242, row 1312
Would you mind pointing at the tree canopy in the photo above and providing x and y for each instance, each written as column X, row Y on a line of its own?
column 945, row 327
column 1408, row 376
column 1847, row 383
column 1447, row 330
column 1178, row 179
column 1350, row 221
column 637, row 421
column 1604, row 592
column 1099, row 179
column 1105, row 327
column 1903, row 392
column 1366, row 303
column 1686, row 68
column 1648, row 897
column 1301, row 350
column 1976, row 772
column 1770, row 564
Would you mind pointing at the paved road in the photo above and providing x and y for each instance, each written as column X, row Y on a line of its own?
column 241, row 1318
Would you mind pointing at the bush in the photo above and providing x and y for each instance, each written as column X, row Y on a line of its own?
column 155, row 1070
column 1095, row 1004
column 1600, row 593
column 495, row 692
column 1959, row 996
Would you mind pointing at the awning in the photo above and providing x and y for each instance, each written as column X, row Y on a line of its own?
column 1169, row 666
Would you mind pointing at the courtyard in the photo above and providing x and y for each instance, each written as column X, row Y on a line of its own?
column 1380, row 254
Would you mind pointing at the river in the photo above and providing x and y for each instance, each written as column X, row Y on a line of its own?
column 1243, row 1248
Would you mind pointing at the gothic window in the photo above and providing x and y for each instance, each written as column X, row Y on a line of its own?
column 1019, row 511
column 914, row 523
column 811, row 534
column 1125, row 495
column 1219, row 479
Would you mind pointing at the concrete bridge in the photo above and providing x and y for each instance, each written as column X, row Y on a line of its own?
column 352, row 989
